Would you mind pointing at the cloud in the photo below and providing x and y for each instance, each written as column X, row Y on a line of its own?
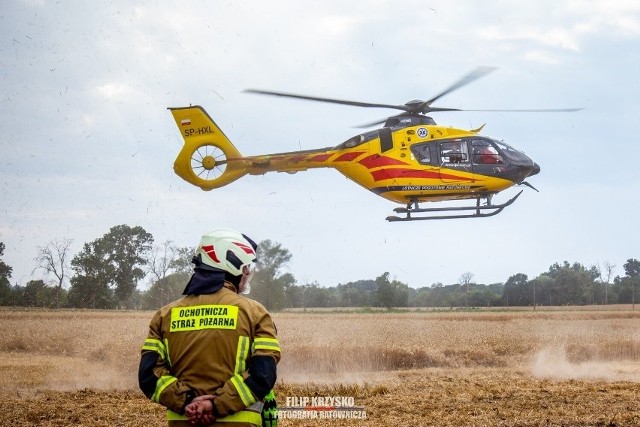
column 114, row 90
column 559, row 38
column 617, row 18
column 541, row 57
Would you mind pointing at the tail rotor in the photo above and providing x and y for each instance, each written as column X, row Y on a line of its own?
column 209, row 162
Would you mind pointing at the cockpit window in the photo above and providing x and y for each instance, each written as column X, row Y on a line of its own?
column 454, row 152
column 484, row 153
column 421, row 153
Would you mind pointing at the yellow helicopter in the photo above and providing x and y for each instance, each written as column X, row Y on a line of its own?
column 410, row 160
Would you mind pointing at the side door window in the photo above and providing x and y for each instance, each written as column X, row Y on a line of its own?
column 423, row 153
column 454, row 157
column 454, row 152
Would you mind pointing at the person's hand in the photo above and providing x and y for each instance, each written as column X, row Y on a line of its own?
column 200, row 410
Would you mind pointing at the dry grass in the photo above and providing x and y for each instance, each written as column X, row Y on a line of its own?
column 374, row 342
column 420, row 368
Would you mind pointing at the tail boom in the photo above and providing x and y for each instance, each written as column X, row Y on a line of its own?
column 209, row 160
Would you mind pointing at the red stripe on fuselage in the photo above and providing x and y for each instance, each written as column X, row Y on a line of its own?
column 298, row 158
column 320, row 157
column 347, row 157
column 376, row 161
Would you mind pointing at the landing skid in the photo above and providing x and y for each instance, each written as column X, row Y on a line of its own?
column 479, row 211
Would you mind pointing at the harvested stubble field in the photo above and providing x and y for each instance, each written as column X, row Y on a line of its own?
column 521, row 368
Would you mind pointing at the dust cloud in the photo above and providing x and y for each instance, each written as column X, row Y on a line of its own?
column 62, row 373
column 553, row 363
column 81, row 374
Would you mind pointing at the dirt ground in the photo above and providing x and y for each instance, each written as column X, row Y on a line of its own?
column 79, row 369
column 489, row 397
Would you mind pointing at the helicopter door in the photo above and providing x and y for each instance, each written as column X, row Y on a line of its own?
column 454, row 156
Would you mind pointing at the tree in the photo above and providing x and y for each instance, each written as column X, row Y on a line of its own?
column 437, row 295
column 170, row 267
column 90, row 286
column 181, row 262
column 270, row 284
column 164, row 291
column 608, row 273
column 542, row 286
column 315, row 296
column 514, row 292
column 361, row 293
column 53, row 258
column 161, row 259
column 632, row 270
column 37, row 294
column 126, row 248
column 465, row 280
column 109, row 268
column 573, row 284
column 485, row 295
column 422, row 298
column 384, row 291
column 5, row 275
column 400, row 293
column 27, row 296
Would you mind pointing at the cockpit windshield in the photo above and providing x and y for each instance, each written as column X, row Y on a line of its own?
column 508, row 150
column 503, row 146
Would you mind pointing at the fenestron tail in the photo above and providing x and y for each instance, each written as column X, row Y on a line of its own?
column 208, row 159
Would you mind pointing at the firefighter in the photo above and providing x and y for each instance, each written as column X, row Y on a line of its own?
column 214, row 350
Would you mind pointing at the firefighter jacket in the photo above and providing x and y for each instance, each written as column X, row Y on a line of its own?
column 219, row 343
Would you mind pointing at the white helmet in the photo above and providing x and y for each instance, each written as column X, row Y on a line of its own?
column 228, row 250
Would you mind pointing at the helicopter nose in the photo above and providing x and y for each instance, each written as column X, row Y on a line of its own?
column 535, row 170
column 525, row 170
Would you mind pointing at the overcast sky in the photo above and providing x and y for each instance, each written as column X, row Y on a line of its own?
column 87, row 141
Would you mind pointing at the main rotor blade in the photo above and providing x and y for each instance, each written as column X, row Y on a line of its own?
column 436, row 109
column 368, row 125
column 474, row 75
column 541, row 110
column 330, row 100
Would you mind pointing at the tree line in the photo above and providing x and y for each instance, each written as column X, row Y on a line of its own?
column 107, row 272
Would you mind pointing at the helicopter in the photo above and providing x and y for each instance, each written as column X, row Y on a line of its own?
column 411, row 160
